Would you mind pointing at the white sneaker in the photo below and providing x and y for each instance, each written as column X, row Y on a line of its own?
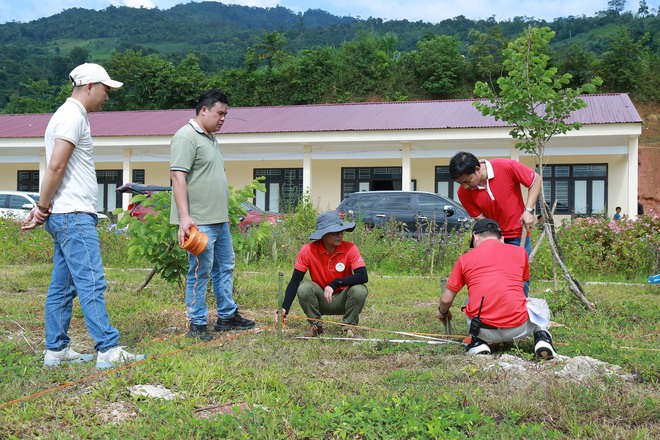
column 66, row 354
column 544, row 350
column 477, row 346
column 543, row 345
column 116, row 356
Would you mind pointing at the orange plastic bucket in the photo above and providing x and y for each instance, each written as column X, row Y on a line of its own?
column 196, row 241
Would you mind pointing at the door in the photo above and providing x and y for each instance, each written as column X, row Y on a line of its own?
column 430, row 212
column 396, row 206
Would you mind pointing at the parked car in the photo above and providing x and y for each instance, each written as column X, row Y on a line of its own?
column 17, row 205
column 137, row 209
column 415, row 210
column 254, row 215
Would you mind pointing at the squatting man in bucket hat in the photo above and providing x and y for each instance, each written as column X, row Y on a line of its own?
column 338, row 276
column 497, row 310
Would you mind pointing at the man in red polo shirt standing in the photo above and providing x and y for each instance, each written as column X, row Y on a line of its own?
column 497, row 309
column 491, row 189
column 338, row 276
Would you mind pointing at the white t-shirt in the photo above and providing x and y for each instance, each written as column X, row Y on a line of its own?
column 78, row 190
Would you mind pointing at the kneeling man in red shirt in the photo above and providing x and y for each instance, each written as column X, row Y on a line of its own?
column 497, row 309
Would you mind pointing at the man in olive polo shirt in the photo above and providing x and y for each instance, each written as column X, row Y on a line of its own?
column 201, row 199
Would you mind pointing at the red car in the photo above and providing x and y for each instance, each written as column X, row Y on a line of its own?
column 254, row 215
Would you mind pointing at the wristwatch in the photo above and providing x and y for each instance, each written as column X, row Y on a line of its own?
column 530, row 210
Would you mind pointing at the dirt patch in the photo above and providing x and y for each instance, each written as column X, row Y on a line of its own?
column 116, row 412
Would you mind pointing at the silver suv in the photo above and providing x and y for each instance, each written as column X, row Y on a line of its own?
column 416, row 211
column 16, row 205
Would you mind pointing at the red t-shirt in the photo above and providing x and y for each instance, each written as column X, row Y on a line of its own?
column 323, row 267
column 506, row 205
column 495, row 271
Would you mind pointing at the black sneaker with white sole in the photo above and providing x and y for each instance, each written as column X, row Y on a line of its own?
column 543, row 345
column 477, row 346
column 235, row 322
column 199, row 331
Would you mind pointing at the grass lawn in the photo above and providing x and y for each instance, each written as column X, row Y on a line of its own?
column 258, row 385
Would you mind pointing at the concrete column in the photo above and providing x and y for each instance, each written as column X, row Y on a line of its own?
column 406, row 174
column 126, row 175
column 42, row 167
column 633, row 176
column 307, row 169
column 515, row 153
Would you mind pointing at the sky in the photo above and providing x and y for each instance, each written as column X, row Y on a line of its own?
column 432, row 11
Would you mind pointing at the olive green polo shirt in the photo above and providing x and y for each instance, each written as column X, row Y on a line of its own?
column 197, row 153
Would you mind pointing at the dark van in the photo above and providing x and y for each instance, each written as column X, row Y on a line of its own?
column 416, row 211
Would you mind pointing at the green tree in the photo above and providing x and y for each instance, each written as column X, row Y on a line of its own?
column 616, row 6
column 578, row 62
column 78, row 55
column 438, row 66
column 141, row 75
column 34, row 97
column 309, row 75
column 485, row 55
column 625, row 63
column 268, row 51
column 182, row 87
column 535, row 99
column 362, row 69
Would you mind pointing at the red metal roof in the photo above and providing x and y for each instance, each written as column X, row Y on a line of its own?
column 415, row 115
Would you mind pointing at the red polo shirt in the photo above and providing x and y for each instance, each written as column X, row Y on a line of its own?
column 504, row 204
column 323, row 267
column 495, row 271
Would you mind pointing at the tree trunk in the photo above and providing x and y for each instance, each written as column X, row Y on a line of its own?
column 558, row 255
column 154, row 271
column 146, row 281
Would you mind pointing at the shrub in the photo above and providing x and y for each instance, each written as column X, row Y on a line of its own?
column 600, row 246
column 24, row 247
column 385, row 250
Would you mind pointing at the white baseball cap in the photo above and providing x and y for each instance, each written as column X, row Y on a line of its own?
column 92, row 73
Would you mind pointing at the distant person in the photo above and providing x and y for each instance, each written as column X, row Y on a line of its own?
column 338, row 276
column 497, row 310
column 200, row 198
column 491, row 189
column 67, row 209
column 617, row 213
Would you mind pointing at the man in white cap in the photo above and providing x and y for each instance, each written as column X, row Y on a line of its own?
column 497, row 310
column 338, row 276
column 67, row 209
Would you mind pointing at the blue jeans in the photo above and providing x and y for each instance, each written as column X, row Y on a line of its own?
column 77, row 271
column 528, row 248
column 217, row 263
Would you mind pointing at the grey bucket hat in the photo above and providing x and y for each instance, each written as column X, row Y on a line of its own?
column 331, row 221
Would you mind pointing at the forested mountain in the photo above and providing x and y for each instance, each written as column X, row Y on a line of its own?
column 270, row 56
